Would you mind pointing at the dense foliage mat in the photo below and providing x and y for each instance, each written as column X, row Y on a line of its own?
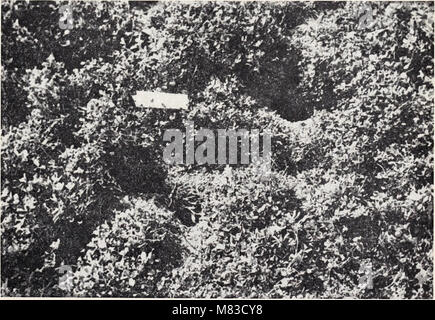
column 347, row 210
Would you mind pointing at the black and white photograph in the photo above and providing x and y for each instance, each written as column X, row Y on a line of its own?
column 217, row 150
